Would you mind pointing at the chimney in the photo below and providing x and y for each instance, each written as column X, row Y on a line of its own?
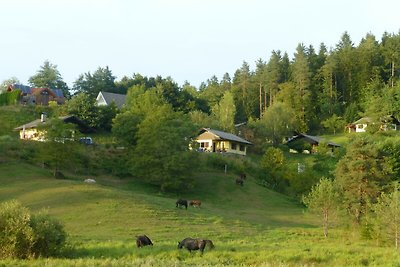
column 43, row 117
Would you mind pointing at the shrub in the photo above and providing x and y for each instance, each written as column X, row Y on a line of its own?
column 49, row 235
column 24, row 236
column 16, row 236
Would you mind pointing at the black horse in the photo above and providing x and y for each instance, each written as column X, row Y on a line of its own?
column 239, row 181
column 182, row 202
column 143, row 240
column 195, row 244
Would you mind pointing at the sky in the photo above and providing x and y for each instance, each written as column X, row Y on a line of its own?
column 188, row 40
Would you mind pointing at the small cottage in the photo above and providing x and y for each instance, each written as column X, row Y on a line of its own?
column 215, row 141
column 29, row 131
column 304, row 142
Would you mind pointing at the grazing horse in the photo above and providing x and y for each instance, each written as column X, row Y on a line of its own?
column 143, row 240
column 195, row 244
column 243, row 176
column 239, row 181
column 181, row 202
column 195, row 203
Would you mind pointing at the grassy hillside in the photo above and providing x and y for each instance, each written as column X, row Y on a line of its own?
column 250, row 225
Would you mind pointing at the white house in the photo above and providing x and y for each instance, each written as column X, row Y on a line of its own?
column 106, row 98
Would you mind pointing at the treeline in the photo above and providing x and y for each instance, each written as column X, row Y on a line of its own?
column 345, row 82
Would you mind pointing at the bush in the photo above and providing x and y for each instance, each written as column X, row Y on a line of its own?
column 49, row 235
column 16, row 236
column 24, row 236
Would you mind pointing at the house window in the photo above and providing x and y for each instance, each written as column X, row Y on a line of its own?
column 242, row 147
column 204, row 144
column 233, row 146
column 360, row 126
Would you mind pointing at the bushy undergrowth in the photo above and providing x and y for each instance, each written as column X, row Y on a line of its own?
column 23, row 235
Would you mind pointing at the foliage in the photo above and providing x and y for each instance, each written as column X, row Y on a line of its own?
column 83, row 106
column 4, row 85
column 91, row 84
column 333, row 123
column 225, row 111
column 324, row 201
column 361, row 175
column 49, row 235
column 16, row 237
column 387, row 215
column 23, row 235
column 10, row 98
column 276, row 123
column 58, row 144
column 49, row 77
column 161, row 155
column 274, row 165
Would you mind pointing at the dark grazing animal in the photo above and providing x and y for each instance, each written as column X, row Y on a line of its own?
column 243, row 176
column 195, row 203
column 143, row 240
column 181, row 202
column 195, row 244
column 239, row 181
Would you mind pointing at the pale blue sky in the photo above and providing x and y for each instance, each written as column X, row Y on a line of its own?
column 185, row 39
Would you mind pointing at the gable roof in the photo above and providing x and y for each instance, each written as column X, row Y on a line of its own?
column 225, row 136
column 27, row 90
column 315, row 140
column 67, row 119
column 108, row 98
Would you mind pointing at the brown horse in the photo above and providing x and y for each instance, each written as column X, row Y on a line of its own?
column 195, row 203
column 195, row 244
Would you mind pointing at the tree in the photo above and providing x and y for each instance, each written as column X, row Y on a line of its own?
column 333, row 123
column 161, row 155
column 101, row 80
column 278, row 122
column 4, row 85
column 387, row 215
column 301, row 78
column 361, row 175
column 225, row 112
column 49, row 77
column 58, row 146
column 273, row 163
column 83, row 106
column 323, row 200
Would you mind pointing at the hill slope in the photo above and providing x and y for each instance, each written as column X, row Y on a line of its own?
column 118, row 209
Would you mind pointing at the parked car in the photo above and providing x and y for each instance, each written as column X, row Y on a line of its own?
column 86, row 140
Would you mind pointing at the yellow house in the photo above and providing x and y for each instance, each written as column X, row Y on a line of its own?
column 221, row 142
column 29, row 131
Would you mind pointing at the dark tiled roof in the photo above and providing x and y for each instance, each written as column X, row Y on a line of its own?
column 227, row 136
column 312, row 139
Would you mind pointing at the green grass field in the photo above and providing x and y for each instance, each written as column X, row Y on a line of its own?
column 250, row 225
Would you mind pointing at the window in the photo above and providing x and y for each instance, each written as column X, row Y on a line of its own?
column 204, row 144
column 233, row 146
column 242, row 147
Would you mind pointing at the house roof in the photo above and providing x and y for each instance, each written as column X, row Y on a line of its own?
column 67, row 119
column 108, row 97
column 225, row 136
column 363, row 120
column 25, row 89
column 315, row 140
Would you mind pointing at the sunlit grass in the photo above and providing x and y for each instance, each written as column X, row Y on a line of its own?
column 250, row 225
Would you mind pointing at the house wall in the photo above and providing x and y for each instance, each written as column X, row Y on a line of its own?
column 207, row 145
column 100, row 100
column 361, row 128
column 30, row 134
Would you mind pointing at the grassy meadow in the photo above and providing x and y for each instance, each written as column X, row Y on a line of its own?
column 249, row 225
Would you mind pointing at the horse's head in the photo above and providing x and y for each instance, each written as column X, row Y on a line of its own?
column 180, row 245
